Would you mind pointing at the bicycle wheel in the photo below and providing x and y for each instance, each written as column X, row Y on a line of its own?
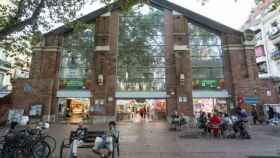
column 51, row 142
column 20, row 153
column 41, row 149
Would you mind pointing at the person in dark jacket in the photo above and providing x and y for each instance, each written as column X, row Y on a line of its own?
column 81, row 133
column 255, row 115
column 270, row 113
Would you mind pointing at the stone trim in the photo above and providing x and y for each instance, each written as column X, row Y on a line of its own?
column 106, row 14
column 102, row 48
column 47, row 49
column 176, row 13
column 237, row 47
column 249, row 43
column 181, row 48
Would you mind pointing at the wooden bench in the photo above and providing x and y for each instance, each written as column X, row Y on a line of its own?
column 89, row 142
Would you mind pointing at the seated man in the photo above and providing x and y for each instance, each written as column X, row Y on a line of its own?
column 175, row 119
column 79, row 139
column 106, row 141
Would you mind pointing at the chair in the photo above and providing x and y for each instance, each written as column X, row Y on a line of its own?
column 215, row 130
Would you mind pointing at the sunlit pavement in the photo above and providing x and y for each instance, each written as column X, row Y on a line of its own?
column 145, row 139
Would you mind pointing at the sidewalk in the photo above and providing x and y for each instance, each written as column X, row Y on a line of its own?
column 154, row 140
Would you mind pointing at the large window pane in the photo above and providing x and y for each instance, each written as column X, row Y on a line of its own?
column 207, row 58
column 141, row 58
column 75, row 55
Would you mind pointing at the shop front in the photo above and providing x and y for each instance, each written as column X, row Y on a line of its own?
column 210, row 101
column 73, row 106
column 141, row 109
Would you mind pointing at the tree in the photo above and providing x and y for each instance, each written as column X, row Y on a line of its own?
column 23, row 20
column 276, row 4
column 20, row 21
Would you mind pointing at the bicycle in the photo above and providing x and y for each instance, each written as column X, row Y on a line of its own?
column 22, row 144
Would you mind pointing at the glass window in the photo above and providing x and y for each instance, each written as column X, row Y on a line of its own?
column 262, row 67
column 141, row 57
column 1, row 80
column 259, row 50
column 75, row 55
column 207, row 58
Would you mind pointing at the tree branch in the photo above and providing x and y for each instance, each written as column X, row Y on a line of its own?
column 19, row 26
column 20, row 10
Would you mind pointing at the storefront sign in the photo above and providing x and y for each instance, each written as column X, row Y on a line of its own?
column 208, row 84
column 251, row 100
column 72, row 84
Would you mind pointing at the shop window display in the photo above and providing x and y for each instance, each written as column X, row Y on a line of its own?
column 131, row 109
column 210, row 105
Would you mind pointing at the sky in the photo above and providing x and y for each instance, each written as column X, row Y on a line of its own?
column 228, row 12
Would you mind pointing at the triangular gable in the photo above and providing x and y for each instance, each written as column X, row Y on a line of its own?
column 164, row 4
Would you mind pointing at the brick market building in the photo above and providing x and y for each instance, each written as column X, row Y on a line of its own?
column 189, row 60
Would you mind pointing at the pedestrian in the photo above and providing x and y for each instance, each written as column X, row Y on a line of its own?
column 141, row 111
column 255, row 115
column 270, row 113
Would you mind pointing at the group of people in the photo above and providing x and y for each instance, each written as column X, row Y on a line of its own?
column 220, row 122
column 176, row 120
column 264, row 116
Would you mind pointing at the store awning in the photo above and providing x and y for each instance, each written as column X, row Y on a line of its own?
column 73, row 94
column 210, row 94
column 141, row 95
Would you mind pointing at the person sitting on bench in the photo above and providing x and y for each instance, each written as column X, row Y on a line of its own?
column 175, row 120
column 79, row 139
column 106, row 141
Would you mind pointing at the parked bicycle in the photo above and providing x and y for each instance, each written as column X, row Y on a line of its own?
column 27, row 143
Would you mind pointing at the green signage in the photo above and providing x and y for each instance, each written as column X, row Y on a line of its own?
column 207, row 84
column 73, row 84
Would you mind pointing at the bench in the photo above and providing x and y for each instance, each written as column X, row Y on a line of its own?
column 89, row 142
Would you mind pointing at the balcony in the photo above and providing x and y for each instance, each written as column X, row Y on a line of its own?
column 274, row 35
column 275, row 55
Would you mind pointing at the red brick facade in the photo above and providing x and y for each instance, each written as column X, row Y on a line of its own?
column 240, row 68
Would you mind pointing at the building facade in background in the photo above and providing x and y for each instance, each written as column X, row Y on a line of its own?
column 5, row 67
column 265, row 22
column 155, row 51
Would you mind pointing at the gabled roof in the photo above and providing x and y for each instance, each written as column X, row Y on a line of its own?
column 164, row 4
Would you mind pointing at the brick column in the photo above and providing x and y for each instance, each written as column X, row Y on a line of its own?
column 178, row 63
column 183, row 65
column 170, row 63
column 104, row 62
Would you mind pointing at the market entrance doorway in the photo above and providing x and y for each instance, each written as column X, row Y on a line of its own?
column 137, row 110
column 74, row 110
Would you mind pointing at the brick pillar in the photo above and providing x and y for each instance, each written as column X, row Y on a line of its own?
column 178, row 63
column 104, row 62
column 170, row 63
column 183, row 65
